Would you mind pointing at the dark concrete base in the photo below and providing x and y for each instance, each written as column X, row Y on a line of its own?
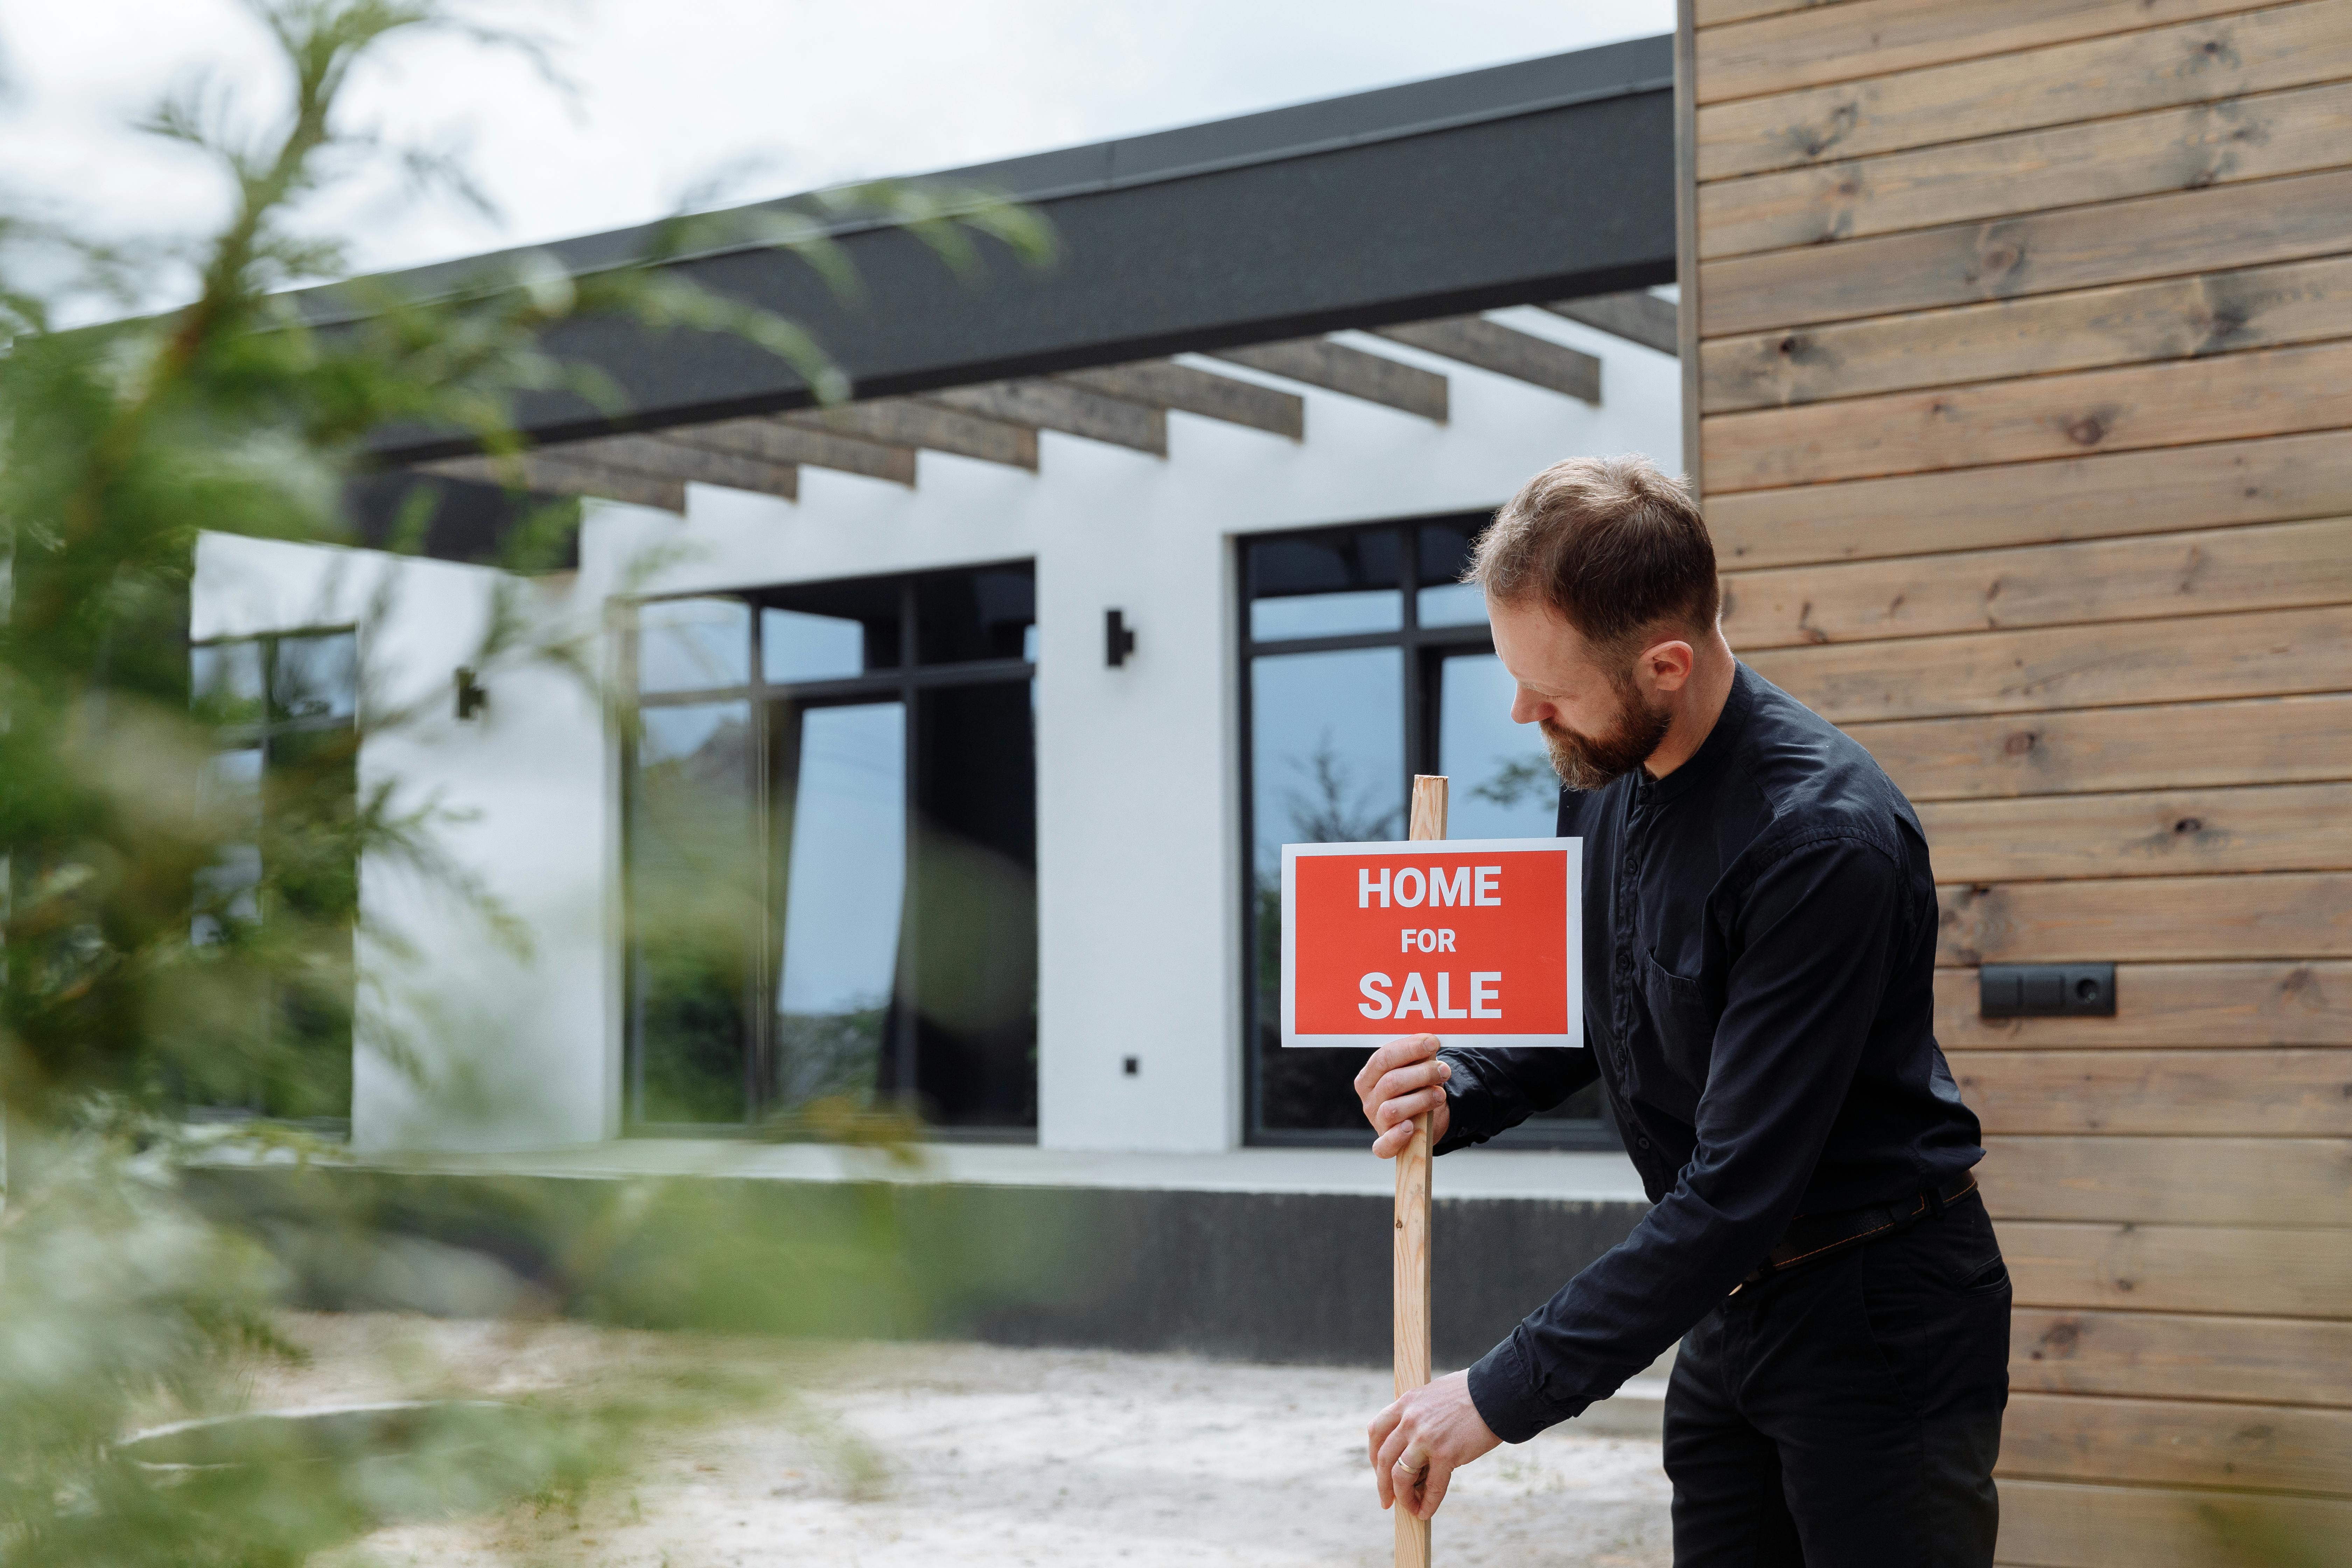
column 1273, row 1277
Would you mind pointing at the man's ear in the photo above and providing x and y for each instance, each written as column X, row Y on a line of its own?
column 1668, row 664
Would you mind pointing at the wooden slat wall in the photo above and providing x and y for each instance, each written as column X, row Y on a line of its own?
column 2023, row 386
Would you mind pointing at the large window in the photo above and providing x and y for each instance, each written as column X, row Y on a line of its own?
column 1364, row 661
column 283, row 711
column 830, row 835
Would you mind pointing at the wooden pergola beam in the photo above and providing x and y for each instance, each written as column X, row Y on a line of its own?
column 1505, row 350
column 1337, row 367
column 1058, row 405
column 1639, row 316
column 664, row 459
column 1164, row 384
column 899, row 421
column 773, row 441
column 562, row 476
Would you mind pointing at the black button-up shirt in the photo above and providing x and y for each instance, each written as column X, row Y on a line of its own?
column 1759, row 941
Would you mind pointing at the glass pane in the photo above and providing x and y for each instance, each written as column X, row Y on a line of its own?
column 691, row 645
column 316, row 676
column 1327, row 765
column 973, row 958
column 1502, row 787
column 308, row 844
column 694, row 906
column 1502, row 782
column 829, row 631
column 225, row 680
column 795, row 645
column 1441, row 554
column 844, row 788
column 965, row 616
column 1451, row 604
column 1326, row 584
column 228, row 889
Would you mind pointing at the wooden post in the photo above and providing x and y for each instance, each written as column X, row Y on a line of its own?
column 1412, row 1224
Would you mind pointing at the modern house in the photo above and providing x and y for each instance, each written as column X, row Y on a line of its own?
column 2008, row 356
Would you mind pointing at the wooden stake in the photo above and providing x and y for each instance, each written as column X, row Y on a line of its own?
column 1412, row 1224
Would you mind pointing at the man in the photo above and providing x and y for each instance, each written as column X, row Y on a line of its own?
column 1760, row 936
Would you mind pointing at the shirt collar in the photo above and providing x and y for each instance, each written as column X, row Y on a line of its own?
column 1729, row 724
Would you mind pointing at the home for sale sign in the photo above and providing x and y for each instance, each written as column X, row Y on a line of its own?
column 1475, row 939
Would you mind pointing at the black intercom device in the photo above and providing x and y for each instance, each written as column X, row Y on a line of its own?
column 2046, row 990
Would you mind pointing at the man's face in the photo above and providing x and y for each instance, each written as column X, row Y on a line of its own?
column 1597, row 724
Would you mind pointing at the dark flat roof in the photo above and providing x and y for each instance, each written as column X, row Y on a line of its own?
column 1539, row 179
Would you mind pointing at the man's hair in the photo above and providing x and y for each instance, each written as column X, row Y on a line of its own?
column 1612, row 543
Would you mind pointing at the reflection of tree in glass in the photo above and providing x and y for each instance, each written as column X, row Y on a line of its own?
column 1323, row 813
column 1520, row 778
column 830, row 1054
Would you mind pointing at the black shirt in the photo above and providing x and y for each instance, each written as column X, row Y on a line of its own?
column 1759, row 943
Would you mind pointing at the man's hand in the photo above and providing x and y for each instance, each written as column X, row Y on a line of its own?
column 1422, row 1440
column 1404, row 1079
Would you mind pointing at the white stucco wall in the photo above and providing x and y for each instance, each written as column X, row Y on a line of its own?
column 1140, row 872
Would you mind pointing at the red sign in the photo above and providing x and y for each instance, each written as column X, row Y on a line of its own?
column 1472, row 939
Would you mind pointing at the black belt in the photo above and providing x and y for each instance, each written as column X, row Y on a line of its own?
column 1811, row 1235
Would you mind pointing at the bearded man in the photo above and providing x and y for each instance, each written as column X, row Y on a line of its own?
column 1759, row 941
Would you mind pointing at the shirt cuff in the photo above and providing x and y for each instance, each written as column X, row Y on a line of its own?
column 1508, row 1401
column 1460, row 1130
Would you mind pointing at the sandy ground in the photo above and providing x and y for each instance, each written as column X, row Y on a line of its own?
column 896, row 1456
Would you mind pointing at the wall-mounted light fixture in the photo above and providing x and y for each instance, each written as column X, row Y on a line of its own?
column 1118, row 638
column 472, row 697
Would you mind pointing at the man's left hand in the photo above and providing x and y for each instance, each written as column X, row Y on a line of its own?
column 1422, row 1440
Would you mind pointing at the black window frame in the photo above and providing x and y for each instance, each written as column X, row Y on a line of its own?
column 1422, row 649
column 901, row 683
column 259, row 733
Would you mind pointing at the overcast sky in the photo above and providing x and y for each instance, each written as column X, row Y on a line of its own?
column 787, row 94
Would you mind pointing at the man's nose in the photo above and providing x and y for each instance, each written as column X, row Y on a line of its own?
column 1526, row 710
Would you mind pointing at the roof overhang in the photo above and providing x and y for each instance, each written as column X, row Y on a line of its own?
column 1536, row 181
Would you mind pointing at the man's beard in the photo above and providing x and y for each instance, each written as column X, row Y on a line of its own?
column 1588, row 761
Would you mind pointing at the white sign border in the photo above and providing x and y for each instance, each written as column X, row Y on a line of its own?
column 1571, row 1040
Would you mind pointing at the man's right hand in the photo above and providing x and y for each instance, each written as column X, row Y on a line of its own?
column 1404, row 1079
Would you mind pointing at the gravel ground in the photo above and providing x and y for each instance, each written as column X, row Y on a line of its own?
column 923, row 1455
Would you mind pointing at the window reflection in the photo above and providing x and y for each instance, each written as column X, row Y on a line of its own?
column 1332, row 736
column 1327, row 751
column 1441, row 554
column 1502, row 785
column 315, row 676
column 1326, row 585
column 227, row 891
column 797, row 645
column 225, row 679
column 831, row 631
column 884, row 930
column 695, row 908
column 843, row 779
column 278, row 802
column 692, row 645
column 961, row 616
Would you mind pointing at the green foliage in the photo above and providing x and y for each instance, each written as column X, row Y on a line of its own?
column 169, row 943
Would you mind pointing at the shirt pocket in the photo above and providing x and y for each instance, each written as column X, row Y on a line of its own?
column 1685, row 1023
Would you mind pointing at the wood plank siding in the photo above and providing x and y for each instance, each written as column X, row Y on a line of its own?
column 2017, row 352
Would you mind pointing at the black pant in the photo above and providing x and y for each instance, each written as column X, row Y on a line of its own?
column 1846, row 1413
